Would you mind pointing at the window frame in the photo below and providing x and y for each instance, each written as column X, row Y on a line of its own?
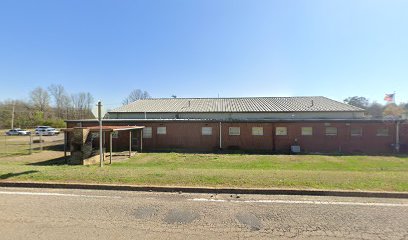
column 206, row 134
column 326, row 133
column 360, row 134
column 261, row 132
column 303, row 133
column 239, row 131
column 161, row 133
column 115, row 134
column 276, row 131
column 144, row 132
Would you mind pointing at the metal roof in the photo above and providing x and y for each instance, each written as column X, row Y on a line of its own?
column 248, row 104
column 142, row 121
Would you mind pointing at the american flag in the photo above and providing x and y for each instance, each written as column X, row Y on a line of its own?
column 389, row 97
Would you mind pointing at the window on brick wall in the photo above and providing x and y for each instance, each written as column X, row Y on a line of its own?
column 356, row 132
column 382, row 132
column 281, row 131
column 307, row 131
column 115, row 134
column 147, row 132
column 257, row 131
column 206, row 131
column 234, row 131
column 331, row 131
column 161, row 130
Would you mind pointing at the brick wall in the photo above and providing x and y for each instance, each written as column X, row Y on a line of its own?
column 187, row 135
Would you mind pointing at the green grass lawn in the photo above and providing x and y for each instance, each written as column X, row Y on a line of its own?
column 389, row 173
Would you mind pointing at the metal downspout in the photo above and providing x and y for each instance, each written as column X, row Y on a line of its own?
column 220, row 136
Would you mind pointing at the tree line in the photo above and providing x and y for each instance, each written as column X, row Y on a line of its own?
column 48, row 106
column 377, row 110
column 51, row 106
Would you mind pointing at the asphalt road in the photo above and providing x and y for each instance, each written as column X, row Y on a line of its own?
column 90, row 214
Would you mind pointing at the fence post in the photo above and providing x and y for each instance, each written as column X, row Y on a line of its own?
column 41, row 145
column 31, row 144
column 5, row 144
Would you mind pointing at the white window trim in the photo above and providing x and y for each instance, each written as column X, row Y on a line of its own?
column 261, row 132
column 161, row 133
column 303, row 134
column 235, row 134
column 205, row 133
column 277, row 133
column 146, row 135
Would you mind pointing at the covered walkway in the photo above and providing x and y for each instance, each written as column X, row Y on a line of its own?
column 78, row 137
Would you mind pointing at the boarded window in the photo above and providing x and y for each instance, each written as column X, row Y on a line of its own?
column 382, row 132
column 147, row 132
column 161, row 130
column 206, row 131
column 281, row 131
column 331, row 131
column 234, row 131
column 307, row 131
column 257, row 131
column 356, row 132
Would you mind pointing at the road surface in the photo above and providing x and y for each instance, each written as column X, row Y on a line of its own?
column 91, row 214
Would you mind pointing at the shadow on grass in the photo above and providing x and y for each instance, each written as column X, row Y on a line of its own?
column 50, row 162
column 10, row 175
column 57, row 148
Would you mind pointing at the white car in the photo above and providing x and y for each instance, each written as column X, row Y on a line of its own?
column 17, row 131
column 46, row 131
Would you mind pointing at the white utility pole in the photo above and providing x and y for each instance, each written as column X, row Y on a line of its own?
column 100, row 132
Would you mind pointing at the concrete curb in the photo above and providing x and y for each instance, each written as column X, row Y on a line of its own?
column 336, row 193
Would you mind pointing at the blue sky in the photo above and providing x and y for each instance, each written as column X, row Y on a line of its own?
column 204, row 48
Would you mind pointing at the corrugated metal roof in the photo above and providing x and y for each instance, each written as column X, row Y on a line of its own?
column 248, row 104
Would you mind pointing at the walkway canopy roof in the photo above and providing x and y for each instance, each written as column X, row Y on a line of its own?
column 105, row 128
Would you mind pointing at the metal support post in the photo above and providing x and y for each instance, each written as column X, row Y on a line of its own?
column 141, row 140
column 130, row 143
column 100, row 132
column 110, row 147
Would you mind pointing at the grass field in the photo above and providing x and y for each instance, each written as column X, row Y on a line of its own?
column 389, row 173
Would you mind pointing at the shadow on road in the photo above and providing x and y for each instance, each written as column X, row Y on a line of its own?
column 10, row 175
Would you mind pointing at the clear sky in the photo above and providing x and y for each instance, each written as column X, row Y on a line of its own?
column 195, row 48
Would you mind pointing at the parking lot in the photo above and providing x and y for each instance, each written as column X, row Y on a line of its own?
column 22, row 145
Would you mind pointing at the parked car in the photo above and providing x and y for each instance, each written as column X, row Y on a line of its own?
column 46, row 131
column 40, row 128
column 17, row 131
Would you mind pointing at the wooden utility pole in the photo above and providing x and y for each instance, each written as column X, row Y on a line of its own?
column 12, row 116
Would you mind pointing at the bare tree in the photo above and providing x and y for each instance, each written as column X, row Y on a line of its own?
column 135, row 95
column 82, row 104
column 40, row 99
column 61, row 98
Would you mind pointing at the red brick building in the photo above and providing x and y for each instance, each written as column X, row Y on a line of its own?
column 316, row 124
